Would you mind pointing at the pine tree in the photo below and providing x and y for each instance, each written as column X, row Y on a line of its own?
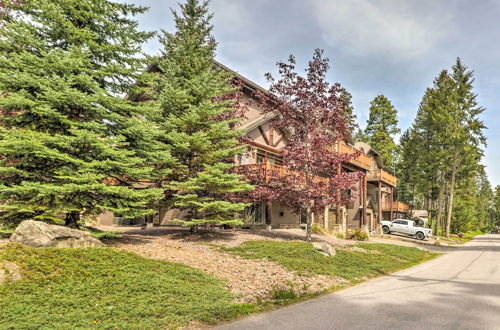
column 197, row 120
column 70, row 143
column 496, row 207
column 345, row 99
column 461, row 131
column 381, row 128
column 444, row 146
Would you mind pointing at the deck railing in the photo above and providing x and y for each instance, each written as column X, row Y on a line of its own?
column 384, row 176
column 268, row 172
column 362, row 160
column 396, row 207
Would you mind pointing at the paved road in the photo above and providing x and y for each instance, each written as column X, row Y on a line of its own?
column 459, row 290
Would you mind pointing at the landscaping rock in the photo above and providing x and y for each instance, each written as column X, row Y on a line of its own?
column 40, row 234
column 9, row 272
column 325, row 248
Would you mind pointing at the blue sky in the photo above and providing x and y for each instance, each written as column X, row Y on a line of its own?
column 390, row 47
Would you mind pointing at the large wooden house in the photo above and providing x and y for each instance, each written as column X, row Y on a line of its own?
column 371, row 201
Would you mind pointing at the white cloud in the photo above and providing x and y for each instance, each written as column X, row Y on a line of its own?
column 230, row 14
column 397, row 28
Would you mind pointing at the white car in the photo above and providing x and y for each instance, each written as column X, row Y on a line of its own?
column 408, row 227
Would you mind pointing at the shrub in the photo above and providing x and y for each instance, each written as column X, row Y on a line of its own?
column 357, row 234
column 318, row 229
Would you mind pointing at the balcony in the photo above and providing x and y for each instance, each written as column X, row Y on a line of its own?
column 396, row 207
column 362, row 160
column 384, row 176
column 268, row 171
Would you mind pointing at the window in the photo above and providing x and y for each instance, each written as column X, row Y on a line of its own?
column 404, row 223
column 244, row 159
column 253, row 214
column 269, row 157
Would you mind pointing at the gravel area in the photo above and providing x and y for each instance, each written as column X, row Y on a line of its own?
column 248, row 279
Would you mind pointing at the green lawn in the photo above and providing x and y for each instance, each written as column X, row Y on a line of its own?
column 108, row 288
column 351, row 265
column 6, row 231
column 468, row 236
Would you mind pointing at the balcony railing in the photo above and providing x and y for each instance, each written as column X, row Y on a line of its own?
column 362, row 160
column 396, row 207
column 384, row 176
column 268, row 172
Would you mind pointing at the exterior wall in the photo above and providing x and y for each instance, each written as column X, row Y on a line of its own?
column 282, row 216
column 253, row 109
column 106, row 218
column 167, row 215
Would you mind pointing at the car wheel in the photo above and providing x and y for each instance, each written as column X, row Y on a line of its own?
column 420, row 235
column 386, row 230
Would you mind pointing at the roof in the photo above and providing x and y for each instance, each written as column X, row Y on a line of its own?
column 369, row 149
column 420, row 213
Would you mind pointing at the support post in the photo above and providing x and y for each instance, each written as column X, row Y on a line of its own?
column 392, row 202
column 365, row 198
column 379, row 201
column 339, row 220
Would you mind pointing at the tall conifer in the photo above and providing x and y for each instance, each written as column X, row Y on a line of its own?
column 381, row 128
column 70, row 142
column 197, row 121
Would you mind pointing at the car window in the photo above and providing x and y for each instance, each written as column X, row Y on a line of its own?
column 404, row 222
column 397, row 221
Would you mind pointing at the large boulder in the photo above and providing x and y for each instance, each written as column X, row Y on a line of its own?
column 324, row 248
column 40, row 234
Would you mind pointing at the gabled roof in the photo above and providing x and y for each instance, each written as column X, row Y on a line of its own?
column 256, row 122
column 369, row 149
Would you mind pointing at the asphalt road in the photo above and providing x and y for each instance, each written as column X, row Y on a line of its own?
column 459, row 290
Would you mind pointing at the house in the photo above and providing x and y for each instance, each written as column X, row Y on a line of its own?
column 371, row 201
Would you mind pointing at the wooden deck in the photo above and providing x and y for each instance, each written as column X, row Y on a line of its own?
column 384, row 176
column 269, row 172
column 362, row 160
column 396, row 207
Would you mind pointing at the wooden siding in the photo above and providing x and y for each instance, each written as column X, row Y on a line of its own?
column 384, row 176
column 270, row 171
column 396, row 207
column 362, row 160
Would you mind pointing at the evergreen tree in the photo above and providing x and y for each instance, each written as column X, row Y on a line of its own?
column 444, row 145
column 360, row 136
column 461, row 130
column 345, row 99
column 484, row 197
column 381, row 128
column 70, row 143
column 496, row 207
column 197, row 120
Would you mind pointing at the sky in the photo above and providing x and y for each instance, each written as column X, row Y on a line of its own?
column 390, row 47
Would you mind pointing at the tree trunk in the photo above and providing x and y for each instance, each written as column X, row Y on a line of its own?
column 308, row 225
column 440, row 205
column 72, row 219
column 194, row 229
column 452, row 191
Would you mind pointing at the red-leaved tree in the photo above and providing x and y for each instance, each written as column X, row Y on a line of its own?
column 311, row 111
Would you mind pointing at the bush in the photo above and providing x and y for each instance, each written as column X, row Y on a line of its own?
column 318, row 229
column 357, row 234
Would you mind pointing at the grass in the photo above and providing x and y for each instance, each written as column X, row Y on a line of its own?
column 376, row 259
column 6, row 231
column 101, row 234
column 108, row 288
column 468, row 236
